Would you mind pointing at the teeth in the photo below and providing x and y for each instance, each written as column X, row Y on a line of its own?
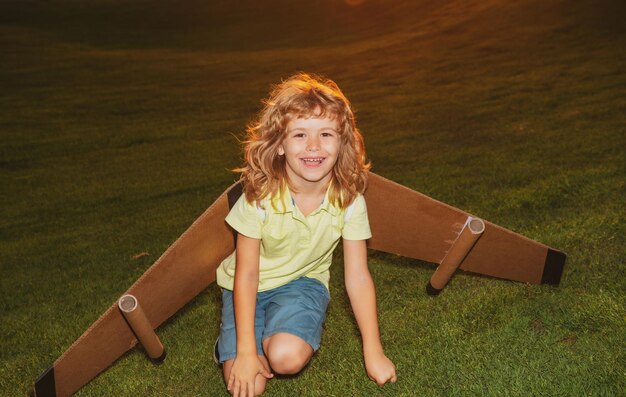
column 318, row 160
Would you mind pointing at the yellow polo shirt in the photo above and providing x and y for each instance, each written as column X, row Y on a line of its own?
column 292, row 245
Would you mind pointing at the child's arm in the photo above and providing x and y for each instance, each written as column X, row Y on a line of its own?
column 247, row 364
column 362, row 296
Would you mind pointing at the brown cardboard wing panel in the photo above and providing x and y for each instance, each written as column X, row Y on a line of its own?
column 103, row 343
column 182, row 272
column 408, row 223
column 504, row 254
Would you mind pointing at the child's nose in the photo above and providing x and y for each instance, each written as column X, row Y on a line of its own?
column 313, row 144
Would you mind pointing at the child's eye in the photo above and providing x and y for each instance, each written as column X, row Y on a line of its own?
column 328, row 134
column 298, row 135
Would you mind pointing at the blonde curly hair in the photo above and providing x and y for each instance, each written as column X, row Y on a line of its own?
column 302, row 96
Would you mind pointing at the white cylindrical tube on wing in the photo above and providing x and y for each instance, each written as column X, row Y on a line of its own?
column 139, row 323
column 468, row 236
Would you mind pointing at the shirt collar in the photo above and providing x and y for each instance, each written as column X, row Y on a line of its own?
column 327, row 205
column 275, row 204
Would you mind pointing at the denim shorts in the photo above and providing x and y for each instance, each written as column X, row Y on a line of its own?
column 297, row 308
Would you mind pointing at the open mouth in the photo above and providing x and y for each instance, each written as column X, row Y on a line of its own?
column 312, row 162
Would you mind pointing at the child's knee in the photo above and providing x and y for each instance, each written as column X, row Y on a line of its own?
column 288, row 354
column 260, row 381
column 259, row 387
column 287, row 363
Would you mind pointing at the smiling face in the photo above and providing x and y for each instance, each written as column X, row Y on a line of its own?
column 311, row 146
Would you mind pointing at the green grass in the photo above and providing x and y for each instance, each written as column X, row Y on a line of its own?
column 119, row 121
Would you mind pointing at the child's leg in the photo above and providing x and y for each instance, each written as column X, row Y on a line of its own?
column 294, row 316
column 260, row 381
column 227, row 341
column 287, row 353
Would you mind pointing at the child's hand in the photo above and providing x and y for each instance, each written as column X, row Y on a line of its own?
column 243, row 375
column 380, row 369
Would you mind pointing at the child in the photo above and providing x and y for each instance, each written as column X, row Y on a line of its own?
column 304, row 175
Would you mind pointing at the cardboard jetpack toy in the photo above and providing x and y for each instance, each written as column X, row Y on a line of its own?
column 403, row 222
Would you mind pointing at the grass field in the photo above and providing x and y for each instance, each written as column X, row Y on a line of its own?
column 119, row 121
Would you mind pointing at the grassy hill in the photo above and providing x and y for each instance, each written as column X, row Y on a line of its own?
column 119, row 121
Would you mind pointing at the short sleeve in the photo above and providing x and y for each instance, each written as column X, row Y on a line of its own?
column 357, row 226
column 245, row 219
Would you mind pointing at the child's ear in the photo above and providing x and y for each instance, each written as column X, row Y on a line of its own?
column 281, row 151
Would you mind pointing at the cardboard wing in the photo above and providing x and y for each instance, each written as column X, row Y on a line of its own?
column 408, row 223
column 403, row 222
column 185, row 269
